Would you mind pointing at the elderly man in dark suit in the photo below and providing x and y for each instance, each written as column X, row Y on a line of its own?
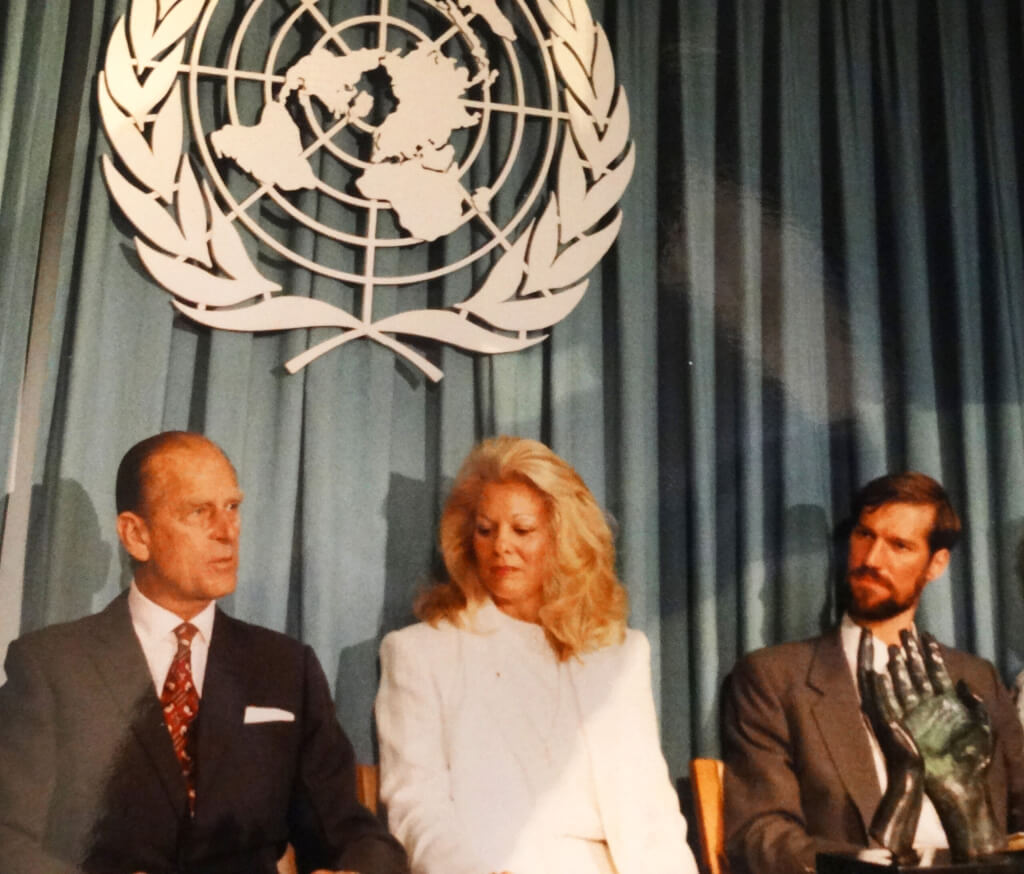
column 803, row 771
column 161, row 735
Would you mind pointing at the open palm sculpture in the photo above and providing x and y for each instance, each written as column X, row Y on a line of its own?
column 937, row 740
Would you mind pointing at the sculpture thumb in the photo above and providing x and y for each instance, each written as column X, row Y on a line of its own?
column 974, row 704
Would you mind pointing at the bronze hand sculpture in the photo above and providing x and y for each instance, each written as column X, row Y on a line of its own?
column 950, row 730
column 895, row 819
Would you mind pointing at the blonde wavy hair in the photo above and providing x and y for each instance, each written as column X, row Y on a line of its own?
column 584, row 604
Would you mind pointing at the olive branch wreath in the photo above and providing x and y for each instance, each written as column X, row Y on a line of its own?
column 192, row 248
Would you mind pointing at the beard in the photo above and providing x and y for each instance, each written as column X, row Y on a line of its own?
column 864, row 606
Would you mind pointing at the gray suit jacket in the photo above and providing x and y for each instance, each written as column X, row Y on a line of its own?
column 89, row 780
column 799, row 773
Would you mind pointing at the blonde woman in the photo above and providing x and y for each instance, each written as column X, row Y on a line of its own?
column 516, row 721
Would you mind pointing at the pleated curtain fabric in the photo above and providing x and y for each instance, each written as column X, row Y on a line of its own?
column 819, row 279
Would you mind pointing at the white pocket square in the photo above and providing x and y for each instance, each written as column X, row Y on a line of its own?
column 267, row 714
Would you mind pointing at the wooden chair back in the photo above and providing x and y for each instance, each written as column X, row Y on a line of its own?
column 708, row 799
column 368, row 786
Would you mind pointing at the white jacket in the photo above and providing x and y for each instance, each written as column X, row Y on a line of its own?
column 456, row 795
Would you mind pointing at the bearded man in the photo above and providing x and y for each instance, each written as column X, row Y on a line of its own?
column 804, row 773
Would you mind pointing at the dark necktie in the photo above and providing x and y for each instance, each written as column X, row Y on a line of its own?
column 180, row 701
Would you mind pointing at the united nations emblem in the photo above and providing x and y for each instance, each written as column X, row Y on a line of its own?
column 381, row 152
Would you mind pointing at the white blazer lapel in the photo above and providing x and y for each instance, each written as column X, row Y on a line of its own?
column 637, row 801
column 604, row 724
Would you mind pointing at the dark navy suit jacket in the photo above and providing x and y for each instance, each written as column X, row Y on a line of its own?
column 89, row 781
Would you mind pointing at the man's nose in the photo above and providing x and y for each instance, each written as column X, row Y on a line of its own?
column 225, row 526
column 873, row 557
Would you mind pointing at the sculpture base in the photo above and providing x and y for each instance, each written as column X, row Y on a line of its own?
column 848, row 863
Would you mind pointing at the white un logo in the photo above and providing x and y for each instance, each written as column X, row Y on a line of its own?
column 380, row 152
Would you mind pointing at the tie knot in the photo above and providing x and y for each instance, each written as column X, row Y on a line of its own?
column 185, row 632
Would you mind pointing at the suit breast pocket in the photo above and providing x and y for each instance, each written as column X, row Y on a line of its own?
column 265, row 755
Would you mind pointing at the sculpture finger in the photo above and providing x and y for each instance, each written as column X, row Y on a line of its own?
column 865, row 669
column 901, row 746
column 886, row 701
column 901, row 682
column 915, row 663
column 935, row 664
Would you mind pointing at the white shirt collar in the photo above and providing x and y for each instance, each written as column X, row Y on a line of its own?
column 849, row 637
column 154, row 621
column 154, row 628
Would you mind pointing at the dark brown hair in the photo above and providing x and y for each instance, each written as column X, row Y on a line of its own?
column 911, row 487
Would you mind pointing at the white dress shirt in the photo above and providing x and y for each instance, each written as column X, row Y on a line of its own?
column 930, row 833
column 154, row 627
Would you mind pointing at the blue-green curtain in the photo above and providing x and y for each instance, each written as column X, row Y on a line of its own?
column 820, row 278
column 840, row 295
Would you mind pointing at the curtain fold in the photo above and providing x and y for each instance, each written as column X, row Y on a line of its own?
column 819, row 278
column 29, row 90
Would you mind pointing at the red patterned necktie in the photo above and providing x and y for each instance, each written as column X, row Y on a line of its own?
column 180, row 701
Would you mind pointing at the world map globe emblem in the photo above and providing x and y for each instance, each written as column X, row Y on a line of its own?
column 381, row 148
column 380, row 103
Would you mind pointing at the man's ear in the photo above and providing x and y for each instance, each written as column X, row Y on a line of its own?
column 134, row 534
column 937, row 564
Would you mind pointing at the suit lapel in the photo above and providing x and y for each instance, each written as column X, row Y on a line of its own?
column 122, row 667
column 602, row 723
column 222, row 708
column 847, row 743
